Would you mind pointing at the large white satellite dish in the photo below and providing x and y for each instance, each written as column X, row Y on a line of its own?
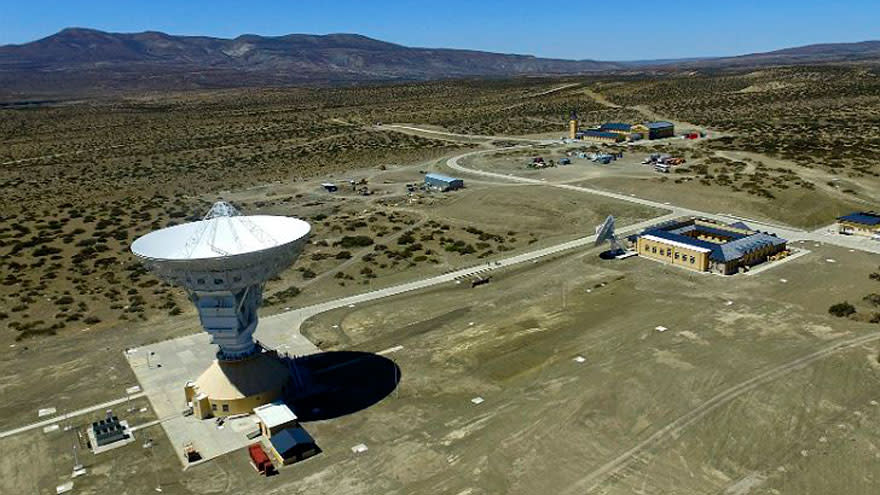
column 605, row 232
column 223, row 261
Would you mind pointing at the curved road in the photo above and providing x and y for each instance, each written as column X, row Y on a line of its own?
column 283, row 329
column 293, row 319
column 277, row 328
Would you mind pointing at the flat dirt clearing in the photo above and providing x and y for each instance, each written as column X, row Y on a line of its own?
column 544, row 211
column 546, row 413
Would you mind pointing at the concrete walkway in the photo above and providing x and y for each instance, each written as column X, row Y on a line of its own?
column 70, row 415
column 282, row 329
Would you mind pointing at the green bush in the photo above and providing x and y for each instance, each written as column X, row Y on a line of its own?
column 842, row 309
column 354, row 241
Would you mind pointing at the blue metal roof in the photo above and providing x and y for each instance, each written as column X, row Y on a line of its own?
column 440, row 177
column 737, row 249
column 617, row 126
column 863, row 217
column 288, row 438
column 671, row 236
column 658, row 125
column 740, row 225
column 601, row 134
column 722, row 252
column 719, row 231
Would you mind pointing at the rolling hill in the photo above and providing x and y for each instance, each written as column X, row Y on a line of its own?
column 77, row 60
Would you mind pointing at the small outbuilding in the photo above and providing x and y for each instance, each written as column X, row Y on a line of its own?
column 443, row 182
column 275, row 417
column 292, row 445
column 329, row 186
column 108, row 430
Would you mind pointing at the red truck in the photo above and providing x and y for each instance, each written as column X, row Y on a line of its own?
column 260, row 460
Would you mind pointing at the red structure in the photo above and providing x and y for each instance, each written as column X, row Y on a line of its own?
column 259, row 459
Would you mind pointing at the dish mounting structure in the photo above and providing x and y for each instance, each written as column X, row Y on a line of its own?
column 605, row 232
column 226, row 287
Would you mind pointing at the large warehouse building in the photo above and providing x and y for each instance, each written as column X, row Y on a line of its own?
column 621, row 128
column 707, row 246
column 615, row 132
column 601, row 136
column 864, row 223
column 442, row 182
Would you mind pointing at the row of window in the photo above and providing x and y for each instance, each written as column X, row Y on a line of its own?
column 668, row 252
column 225, row 407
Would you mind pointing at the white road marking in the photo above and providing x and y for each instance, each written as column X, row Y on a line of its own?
column 390, row 350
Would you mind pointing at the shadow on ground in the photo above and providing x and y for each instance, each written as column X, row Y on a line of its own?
column 333, row 384
column 610, row 254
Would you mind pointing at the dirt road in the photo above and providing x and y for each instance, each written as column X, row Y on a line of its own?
column 595, row 478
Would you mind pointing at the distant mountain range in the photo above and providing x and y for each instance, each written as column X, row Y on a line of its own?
column 76, row 59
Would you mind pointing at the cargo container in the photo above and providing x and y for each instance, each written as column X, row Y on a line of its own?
column 259, row 459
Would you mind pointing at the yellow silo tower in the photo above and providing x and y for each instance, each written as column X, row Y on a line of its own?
column 573, row 125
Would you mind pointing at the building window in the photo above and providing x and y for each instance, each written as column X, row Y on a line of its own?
column 654, row 249
column 213, row 407
column 693, row 260
column 676, row 255
column 225, row 407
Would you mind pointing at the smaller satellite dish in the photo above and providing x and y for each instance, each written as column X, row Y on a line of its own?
column 605, row 232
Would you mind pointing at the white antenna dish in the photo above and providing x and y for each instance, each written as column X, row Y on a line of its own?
column 223, row 261
column 605, row 232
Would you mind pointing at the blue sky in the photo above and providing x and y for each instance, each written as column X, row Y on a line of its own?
column 604, row 30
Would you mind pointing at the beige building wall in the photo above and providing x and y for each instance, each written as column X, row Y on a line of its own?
column 859, row 229
column 244, row 405
column 674, row 255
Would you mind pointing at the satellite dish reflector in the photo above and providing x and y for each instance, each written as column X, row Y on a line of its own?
column 223, row 261
column 605, row 232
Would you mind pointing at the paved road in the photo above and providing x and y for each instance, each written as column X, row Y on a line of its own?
column 456, row 135
column 70, row 415
column 824, row 234
column 283, row 328
column 278, row 329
